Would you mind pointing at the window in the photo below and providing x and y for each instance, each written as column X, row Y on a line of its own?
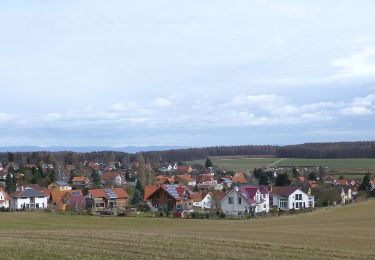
column 283, row 203
column 264, row 206
column 230, row 200
column 239, row 200
column 298, row 196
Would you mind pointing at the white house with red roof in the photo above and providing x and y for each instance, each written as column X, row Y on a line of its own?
column 245, row 199
column 290, row 197
column 4, row 199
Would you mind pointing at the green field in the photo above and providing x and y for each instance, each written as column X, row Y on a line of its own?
column 241, row 163
column 238, row 163
column 335, row 233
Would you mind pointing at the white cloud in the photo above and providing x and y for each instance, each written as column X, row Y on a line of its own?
column 6, row 118
column 162, row 102
column 355, row 65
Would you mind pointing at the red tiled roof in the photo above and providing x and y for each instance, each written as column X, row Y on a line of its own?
column 239, row 178
column 185, row 177
column 109, row 176
column 6, row 195
column 79, row 179
column 197, row 196
column 149, row 190
column 206, row 178
column 100, row 193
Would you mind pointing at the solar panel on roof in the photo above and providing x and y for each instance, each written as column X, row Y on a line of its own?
column 171, row 189
column 111, row 194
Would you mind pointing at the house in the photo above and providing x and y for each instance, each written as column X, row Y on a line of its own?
column 80, row 182
column 290, row 197
column 59, row 185
column 37, row 187
column 108, row 199
column 28, row 199
column 225, row 182
column 160, row 179
column 329, row 180
column 201, row 200
column 173, row 198
column 207, row 180
column 112, row 179
column 185, row 179
column 346, row 194
column 239, row 177
column 4, row 199
column 184, row 169
column 74, row 201
column 245, row 199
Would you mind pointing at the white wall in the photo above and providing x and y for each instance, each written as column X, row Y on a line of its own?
column 292, row 199
column 235, row 208
column 17, row 203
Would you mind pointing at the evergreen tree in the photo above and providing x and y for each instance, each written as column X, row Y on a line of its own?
column 295, row 173
column 137, row 197
column 208, row 163
column 10, row 184
column 282, row 179
column 138, row 186
column 312, row 176
column 365, row 182
column 95, row 178
column 264, row 179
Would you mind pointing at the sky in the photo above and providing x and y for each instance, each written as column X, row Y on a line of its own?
column 186, row 73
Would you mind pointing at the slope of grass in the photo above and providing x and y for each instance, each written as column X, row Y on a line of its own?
column 238, row 163
column 333, row 164
column 352, row 167
column 339, row 233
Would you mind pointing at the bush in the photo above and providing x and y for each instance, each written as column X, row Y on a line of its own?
column 144, row 207
column 222, row 215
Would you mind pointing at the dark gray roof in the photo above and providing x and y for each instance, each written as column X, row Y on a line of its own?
column 61, row 183
column 28, row 193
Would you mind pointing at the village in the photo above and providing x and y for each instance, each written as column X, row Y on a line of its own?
column 173, row 189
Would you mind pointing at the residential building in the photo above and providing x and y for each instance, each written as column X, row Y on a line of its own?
column 4, row 199
column 201, row 200
column 112, row 179
column 59, row 185
column 28, row 199
column 185, row 179
column 290, row 197
column 245, row 199
column 108, row 199
column 80, row 182
column 173, row 197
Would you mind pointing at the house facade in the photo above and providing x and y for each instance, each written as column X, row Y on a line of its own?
column 202, row 200
column 28, row 199
column 4, row 199
column 59, row 185
column 108, row 199
column 291, row 197
column 245, row 199
column 173, row 198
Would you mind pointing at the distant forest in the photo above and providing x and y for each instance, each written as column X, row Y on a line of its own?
column 308, row 150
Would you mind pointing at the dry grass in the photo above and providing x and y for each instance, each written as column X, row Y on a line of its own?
column 339, row 233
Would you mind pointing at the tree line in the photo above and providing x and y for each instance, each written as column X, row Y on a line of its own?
column 308, row 150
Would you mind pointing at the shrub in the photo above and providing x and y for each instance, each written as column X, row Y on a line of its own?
column 222, row 215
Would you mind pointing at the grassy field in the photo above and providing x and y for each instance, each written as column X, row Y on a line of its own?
column 351, row 167
column 336, row 233
column 238, row 163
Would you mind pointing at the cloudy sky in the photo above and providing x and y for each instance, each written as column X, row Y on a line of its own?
column 186, row 73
